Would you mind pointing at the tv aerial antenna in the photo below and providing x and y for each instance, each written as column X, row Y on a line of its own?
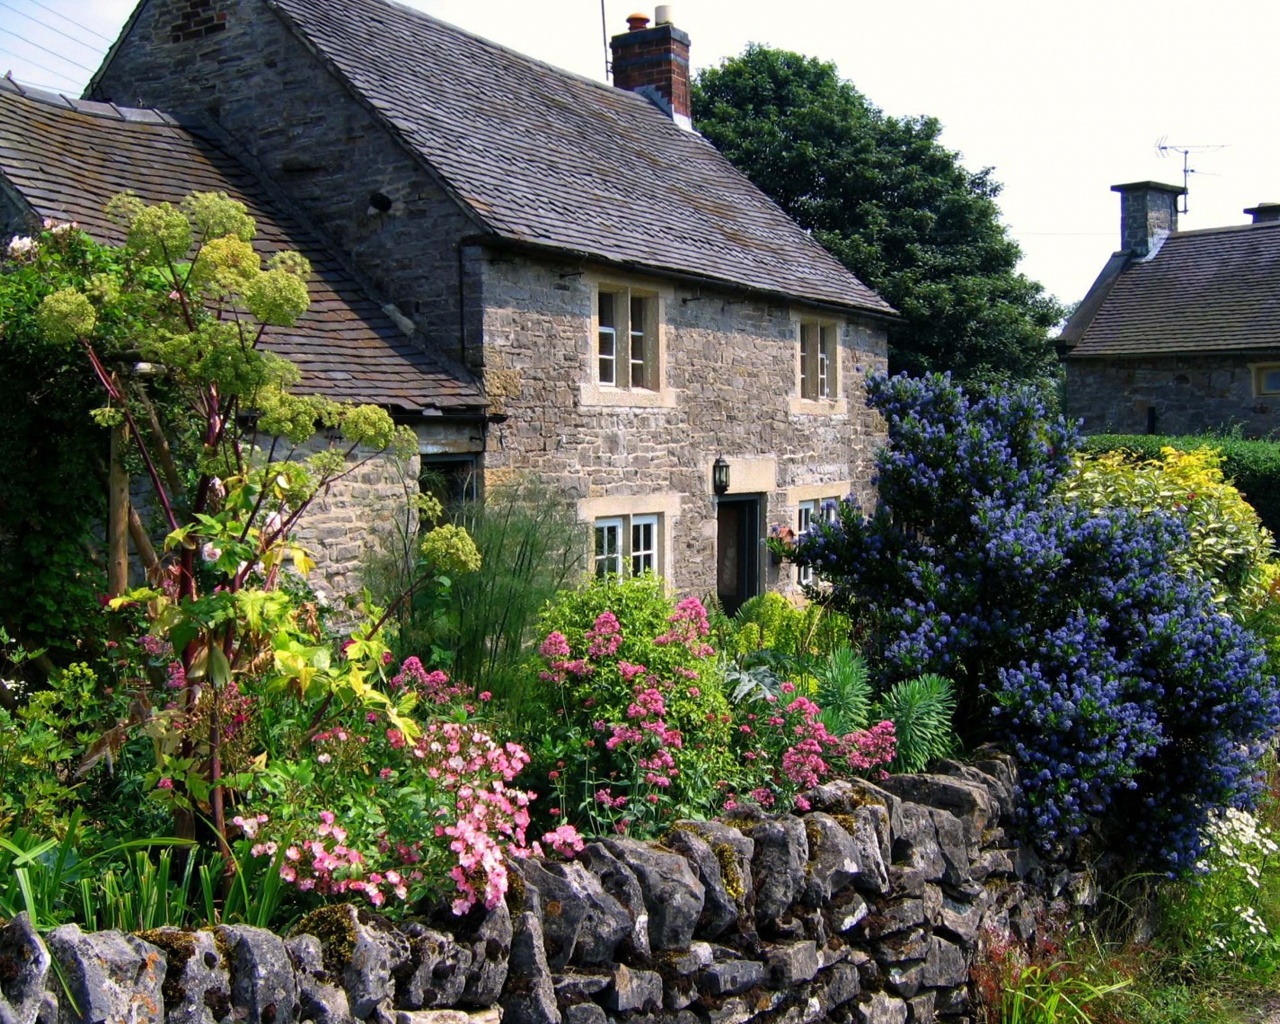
column 1164, row 148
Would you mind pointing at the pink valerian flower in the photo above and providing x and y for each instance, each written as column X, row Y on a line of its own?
column 629, row 671
column 554, row 646
column 165, row 783
column 430, row 686
column 565, row 840
column 176, row 677
column 605, row 636
column 688, row 625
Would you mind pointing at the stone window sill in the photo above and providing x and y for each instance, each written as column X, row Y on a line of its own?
column 817, row 406
column 633, row 398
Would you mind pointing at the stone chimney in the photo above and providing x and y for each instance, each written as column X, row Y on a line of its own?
column 1148, row 215
column 655, row 63
column 1264, row 213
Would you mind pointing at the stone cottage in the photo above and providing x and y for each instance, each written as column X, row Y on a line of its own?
column 1181, row 331
column 649, row 332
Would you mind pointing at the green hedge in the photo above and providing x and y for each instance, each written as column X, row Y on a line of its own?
column 1254, row 466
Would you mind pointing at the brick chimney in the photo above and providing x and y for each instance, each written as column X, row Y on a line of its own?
column 1148, row 215
column 1264, row 213
column 655, row 63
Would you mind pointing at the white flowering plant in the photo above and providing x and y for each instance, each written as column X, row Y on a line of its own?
column 1225, row 918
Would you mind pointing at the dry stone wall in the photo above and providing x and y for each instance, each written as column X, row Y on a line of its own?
column 870, row 907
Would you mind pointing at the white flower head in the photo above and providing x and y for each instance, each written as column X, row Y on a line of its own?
column 210, row 553
column 21, row 247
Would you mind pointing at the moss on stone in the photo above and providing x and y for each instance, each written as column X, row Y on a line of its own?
column 335, row 927
column 178, row 948
column 730, row 873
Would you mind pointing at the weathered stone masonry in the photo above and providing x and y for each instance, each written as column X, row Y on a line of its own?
column 1189, row 394
column 869, row 908
column 730, row 389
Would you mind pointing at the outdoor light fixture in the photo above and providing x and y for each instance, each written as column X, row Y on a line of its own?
column 720, row 475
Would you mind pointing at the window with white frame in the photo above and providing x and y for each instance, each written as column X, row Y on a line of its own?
column 818, row 360
column 627, row 339
column 630, row 541
column 818, row 510
column 608, row 552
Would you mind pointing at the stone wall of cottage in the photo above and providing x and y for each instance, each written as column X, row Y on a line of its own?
column 730, row 389
column 871, row 907
column 236, row 61
column 1189, row 395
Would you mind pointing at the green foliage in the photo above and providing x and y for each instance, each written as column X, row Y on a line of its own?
column 845, row 693
column 771, row 622
column 921, row 711
column 1252, row 466
column 892, row 204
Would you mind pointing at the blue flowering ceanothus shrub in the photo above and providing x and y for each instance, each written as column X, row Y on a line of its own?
column 1136, row 706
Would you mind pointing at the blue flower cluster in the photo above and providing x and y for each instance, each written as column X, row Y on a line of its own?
column 1135, row 705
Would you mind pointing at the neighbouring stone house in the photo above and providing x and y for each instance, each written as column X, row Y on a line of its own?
column 1181, row 331
column 632, row 309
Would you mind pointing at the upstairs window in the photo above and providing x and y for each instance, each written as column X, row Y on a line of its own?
column 1266, row 379
column 817, row 360
column 627, row 339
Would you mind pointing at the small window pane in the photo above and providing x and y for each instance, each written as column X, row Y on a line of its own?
column 644, row 544
column 827, row 363
column 639, row 343
column 608, row 339
column 809, row 345
column 608, row 553
column 808, row 512
column 1271, row 381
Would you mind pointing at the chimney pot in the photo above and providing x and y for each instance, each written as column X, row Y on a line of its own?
column 655, row 63
column 1264, row 213
column 662, row 15
column 1148, row 215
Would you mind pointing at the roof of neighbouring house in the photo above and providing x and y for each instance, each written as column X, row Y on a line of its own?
column 1213, row 290
column 65, row 159
column 543, row 157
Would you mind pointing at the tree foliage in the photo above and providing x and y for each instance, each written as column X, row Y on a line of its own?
column 891, row 203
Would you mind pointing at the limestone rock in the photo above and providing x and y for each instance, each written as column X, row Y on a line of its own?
column 836, row 986
column 529, row 996
column 781, row 856
column 633, row 990
column 872, row 847
column 916, row 844
column 197, row 987
column 113, row 978
column 719, row 910
column 580, row 921
column 793, row 964
column 490, row 946
column 24, row 969
column 262, row 979
column 437, row 971
column 319, row 1000
column 377, row 951
column 734, row 852
column 968, row 801
column 620, row 882
column 584, row 1013
column 945, row 964
column 673, row 896
column 833, row 858
column 730, row 977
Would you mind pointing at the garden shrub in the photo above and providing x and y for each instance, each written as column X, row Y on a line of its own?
column 1133, row 702
column 633, row 724
column 1253, row 466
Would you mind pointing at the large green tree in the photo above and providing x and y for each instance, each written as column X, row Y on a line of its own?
column 892, row 204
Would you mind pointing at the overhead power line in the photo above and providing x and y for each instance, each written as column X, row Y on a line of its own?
column 46, row 49
column 70, row 21
column 27, row 60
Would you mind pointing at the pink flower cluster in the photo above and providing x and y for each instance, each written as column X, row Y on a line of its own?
column 688, row 626
column 565, row 840
column 555, row 648
column 432, row 687
column 605, row 637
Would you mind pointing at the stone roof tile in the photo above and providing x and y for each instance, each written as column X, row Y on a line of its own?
column 67, row 158
column 545, row 157
column 1206, row 291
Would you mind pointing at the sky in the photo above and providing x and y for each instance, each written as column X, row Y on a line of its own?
column 1063, row 100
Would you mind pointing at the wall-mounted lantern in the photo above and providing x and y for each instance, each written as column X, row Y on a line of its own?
column 720, row 475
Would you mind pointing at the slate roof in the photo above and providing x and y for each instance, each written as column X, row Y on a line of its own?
column 1214, row 290
column 545, row 157
column 67, row 158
